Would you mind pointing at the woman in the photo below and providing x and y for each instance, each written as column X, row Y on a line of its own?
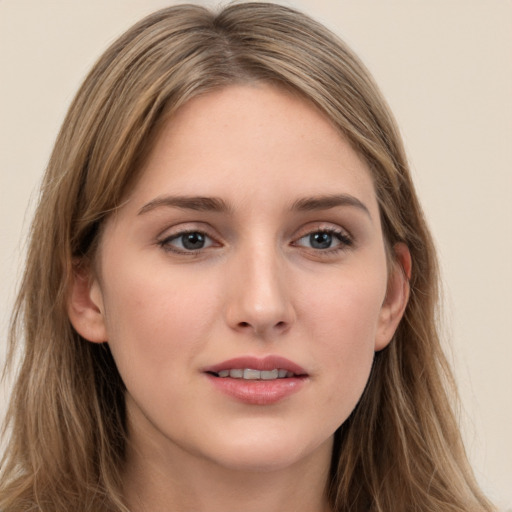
column 230, row 290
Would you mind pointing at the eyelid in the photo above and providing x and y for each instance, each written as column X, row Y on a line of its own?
column 323, row 227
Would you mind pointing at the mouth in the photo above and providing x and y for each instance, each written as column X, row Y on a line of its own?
column 252, row 374
column 271, row 367
column 257, row 381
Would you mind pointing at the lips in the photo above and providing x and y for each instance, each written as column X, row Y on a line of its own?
column 259, row 381
column 266, row 364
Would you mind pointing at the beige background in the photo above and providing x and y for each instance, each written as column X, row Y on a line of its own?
column 445, row 67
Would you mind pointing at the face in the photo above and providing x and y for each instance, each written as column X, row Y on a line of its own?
column 243, row 286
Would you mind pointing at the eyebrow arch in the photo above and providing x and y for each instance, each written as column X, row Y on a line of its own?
column 197, row 203
column 329, row 201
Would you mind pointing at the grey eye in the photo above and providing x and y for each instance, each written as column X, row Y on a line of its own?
column 193, row 241
column 189, row 241
column 320, row 240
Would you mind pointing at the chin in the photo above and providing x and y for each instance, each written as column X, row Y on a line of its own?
column 264, row 452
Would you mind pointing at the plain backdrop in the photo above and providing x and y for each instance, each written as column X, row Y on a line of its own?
column 445, row 67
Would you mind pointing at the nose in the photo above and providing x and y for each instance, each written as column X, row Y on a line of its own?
column 260, row 295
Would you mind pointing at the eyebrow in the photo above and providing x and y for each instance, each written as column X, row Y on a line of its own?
column 215, row 204
column 197, row 203
column 329, row 201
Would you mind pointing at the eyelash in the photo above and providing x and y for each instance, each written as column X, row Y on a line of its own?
column 345, row 241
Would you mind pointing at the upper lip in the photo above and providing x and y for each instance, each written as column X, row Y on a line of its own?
column 267, row 363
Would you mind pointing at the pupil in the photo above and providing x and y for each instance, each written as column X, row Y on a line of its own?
column 320, row 240
column 193, row 241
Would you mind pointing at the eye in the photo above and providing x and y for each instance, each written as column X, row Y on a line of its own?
column 187, row 241
column 324, row 239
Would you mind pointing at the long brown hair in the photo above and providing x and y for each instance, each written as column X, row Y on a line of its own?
column 400, row 450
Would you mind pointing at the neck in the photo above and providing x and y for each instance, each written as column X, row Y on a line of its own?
column 173, row 480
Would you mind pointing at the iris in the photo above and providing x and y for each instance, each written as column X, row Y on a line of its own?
column 193, row 241
column 320, row 240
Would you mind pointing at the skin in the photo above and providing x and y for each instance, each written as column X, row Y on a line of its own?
column 260, row 285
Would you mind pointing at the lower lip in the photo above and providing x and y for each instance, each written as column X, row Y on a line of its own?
column 258, row 392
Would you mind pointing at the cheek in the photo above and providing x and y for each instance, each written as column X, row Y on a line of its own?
column 346, row 308
column 153, row 319
column 343, row 322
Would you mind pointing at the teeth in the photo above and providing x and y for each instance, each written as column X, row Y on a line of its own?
column 250, row 374
column 270, row 375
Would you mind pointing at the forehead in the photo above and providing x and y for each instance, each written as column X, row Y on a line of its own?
column 253, row 140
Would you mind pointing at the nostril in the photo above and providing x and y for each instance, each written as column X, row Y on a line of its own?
column 263, row 327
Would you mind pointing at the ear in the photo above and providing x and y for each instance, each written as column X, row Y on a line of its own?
column 85, row 306
column 397, row 296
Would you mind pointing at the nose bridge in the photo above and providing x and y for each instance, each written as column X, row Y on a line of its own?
column 260, row 298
